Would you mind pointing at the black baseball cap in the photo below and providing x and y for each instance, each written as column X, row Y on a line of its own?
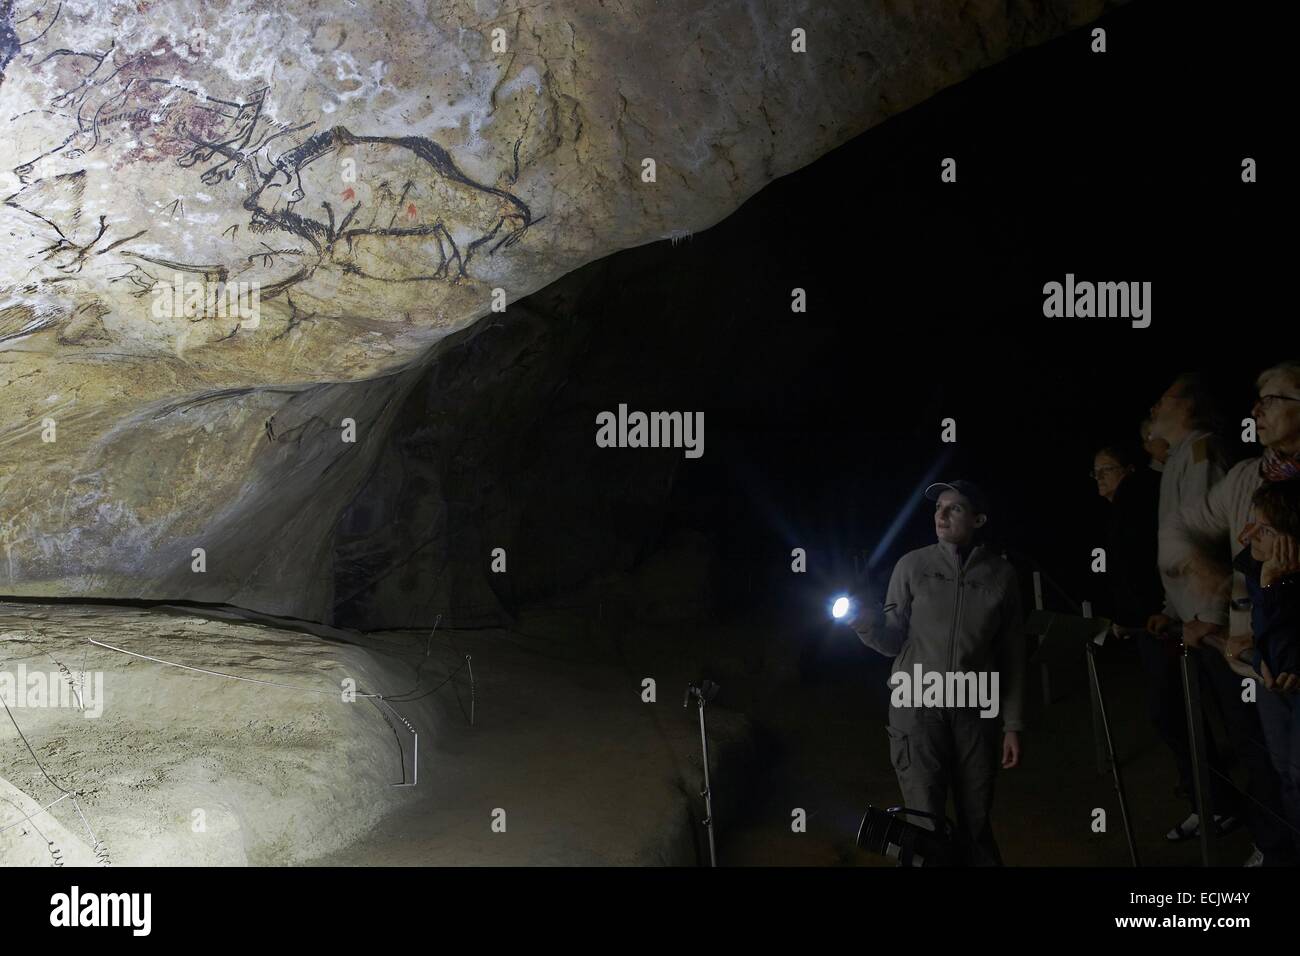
column 971, row 491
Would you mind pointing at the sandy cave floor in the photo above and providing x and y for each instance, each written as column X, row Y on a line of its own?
column 818, row 743
column 166, row 765
column 585, row 771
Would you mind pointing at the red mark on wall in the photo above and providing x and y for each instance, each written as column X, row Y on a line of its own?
column 410, row 210
column 349, row 193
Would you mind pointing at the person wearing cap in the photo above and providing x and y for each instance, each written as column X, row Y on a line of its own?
column 953, row 607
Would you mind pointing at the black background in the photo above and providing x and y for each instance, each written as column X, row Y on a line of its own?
column 925, row 298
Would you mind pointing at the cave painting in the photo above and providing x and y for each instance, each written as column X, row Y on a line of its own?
column 386, row 207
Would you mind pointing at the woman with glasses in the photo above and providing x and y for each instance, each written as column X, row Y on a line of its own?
column 1138, row 595
column 1133, row 494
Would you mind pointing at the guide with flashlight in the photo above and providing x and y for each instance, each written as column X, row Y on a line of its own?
column 951, row 621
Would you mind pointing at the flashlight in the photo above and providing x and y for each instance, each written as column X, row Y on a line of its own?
column 845, row 608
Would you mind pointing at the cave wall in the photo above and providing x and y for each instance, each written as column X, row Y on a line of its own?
column 374, row 172
column 493, row 448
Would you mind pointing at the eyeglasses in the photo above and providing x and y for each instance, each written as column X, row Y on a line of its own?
column 1268, row 401
column 1098, row 472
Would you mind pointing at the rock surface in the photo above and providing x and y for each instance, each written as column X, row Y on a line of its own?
column 584, row 769
column 373, row 172
column 171, row 766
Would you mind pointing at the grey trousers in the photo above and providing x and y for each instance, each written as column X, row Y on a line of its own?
column 936, row 750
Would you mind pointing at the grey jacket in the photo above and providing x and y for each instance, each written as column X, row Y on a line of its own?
column 951, row 618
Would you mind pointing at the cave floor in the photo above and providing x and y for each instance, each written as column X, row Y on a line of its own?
column 565, row 763
column 828, row 753
column 586, row 771
column 149, row 736
column 567, row 758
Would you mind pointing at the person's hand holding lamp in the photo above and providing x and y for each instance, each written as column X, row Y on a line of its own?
column 860, row 614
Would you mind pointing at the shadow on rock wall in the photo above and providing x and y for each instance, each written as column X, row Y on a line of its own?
column 495, row 448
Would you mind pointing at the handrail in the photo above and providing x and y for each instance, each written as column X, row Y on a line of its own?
column 1032, row 562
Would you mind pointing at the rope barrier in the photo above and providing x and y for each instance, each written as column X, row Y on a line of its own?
column 202, row 670
column 25, row 816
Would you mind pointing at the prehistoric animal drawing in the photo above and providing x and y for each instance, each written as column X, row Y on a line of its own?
column 387, row 207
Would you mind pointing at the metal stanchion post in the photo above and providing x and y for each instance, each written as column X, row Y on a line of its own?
column 1099, row 705
column 705, row 692
column 1098, row 719
column 1196, row 741
column 1038, row 606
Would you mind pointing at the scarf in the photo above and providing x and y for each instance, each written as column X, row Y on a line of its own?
column 1278, row 466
